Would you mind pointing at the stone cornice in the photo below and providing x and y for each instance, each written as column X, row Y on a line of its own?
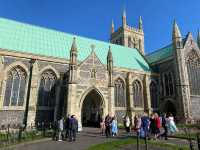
column 5, row 52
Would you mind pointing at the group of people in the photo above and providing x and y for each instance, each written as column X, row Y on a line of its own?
column 153, row 126
column 66, row 128
column 109, row 126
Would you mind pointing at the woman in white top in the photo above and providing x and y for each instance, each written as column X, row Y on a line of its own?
column 171, row 124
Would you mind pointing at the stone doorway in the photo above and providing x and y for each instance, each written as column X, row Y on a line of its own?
column 92, row 109
column 170, row 108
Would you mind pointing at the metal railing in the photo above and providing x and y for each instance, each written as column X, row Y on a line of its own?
column 16, row 133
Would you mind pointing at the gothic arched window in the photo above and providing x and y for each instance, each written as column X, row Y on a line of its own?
column 47, row 89
column 193, row 69
column 137, row 94
column 168, row 84
column 120, row 93
column 154, row 95
column 15, row 87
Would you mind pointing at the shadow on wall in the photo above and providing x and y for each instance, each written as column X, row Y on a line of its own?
column 47, row 95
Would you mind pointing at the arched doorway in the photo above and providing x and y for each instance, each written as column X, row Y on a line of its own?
column 169, row 108
column 92, row 109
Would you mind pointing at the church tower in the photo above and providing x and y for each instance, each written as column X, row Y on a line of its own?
column 128, row 36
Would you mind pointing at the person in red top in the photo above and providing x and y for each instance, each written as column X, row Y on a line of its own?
column 158, row 125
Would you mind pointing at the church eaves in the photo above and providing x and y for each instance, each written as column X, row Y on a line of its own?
column 25, row 38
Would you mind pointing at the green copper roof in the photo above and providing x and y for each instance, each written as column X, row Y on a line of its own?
column 160, row 54
column 26, row 38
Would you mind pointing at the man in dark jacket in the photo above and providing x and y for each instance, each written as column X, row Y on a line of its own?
column 145, row 124
column 108, row 121
column 73, row 126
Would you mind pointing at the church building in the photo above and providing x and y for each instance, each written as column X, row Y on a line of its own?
column 46, row 74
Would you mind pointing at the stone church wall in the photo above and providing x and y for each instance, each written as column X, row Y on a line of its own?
column 195, row 103
column 15, row 114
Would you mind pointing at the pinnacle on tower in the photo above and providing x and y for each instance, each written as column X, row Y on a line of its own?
column 176, row 31
column 112, row 27
column 124, row 18
column 176, row 37
column 198, row 38
column 140, row 24
column 109, row 56
column 73, row 52
column 74, row 47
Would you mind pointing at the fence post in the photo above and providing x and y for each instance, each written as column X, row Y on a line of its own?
column 20, row 133
column 138, row 144
column 145, row 140
column 198, row 141
column 8, row 132
column 43, row 129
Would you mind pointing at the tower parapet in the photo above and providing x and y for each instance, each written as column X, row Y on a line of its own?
column 129, row 36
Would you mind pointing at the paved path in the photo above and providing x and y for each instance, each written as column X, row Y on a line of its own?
column 88, row 137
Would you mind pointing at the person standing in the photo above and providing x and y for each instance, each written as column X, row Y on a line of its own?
column 171, row 124
column 73, row 128
column 152, row 126
column 164, row 125
column 158, row 125
column 55, row 131
column 127, row 124
column 145, row 124
column 114, row 126
column 60, row 127
column 137, row 124
column 102, row 125
column 108, row 120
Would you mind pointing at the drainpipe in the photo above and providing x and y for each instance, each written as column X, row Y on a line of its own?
column 31, row 62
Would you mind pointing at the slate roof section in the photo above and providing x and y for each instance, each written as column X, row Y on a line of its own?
column 160, row 54
column 22, row 37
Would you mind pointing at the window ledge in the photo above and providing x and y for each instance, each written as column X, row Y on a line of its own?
column 13, row 108
column 137, row 108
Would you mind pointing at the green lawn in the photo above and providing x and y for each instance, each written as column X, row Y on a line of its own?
column 114, row 145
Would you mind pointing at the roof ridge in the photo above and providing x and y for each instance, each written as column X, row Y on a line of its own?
column 27, row 38
column 70, row 34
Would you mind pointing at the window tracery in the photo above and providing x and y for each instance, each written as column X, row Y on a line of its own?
column 47, row 89
column 193, row 69
column 120, row 93
column 137, row 94
column 15, row 87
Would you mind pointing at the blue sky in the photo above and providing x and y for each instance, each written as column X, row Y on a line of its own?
column 92, row 18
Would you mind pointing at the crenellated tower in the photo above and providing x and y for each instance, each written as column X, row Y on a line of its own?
column 128, row 36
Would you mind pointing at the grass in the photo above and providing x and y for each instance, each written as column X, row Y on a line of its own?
column 184, row 136
column 113, row 145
